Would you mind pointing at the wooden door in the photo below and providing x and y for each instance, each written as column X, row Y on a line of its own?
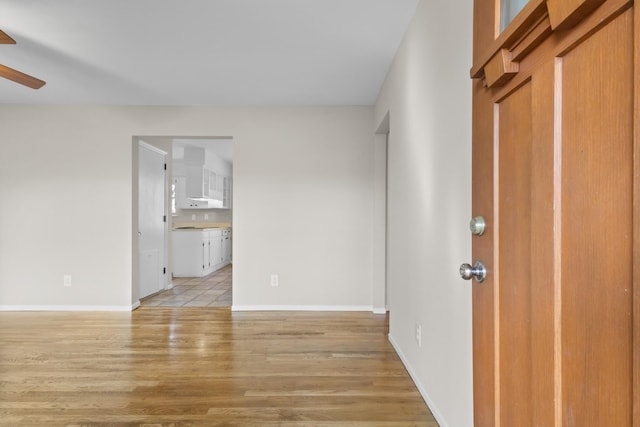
column 555, row 132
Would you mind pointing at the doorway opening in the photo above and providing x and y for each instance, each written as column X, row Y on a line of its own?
column 199, row 218
column 381, row 291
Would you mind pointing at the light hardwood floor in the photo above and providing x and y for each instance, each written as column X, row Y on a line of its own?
column 203, row 367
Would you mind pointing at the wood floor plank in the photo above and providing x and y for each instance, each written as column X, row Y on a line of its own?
column 203, row 367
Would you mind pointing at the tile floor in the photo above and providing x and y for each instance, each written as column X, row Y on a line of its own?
column 213, row 290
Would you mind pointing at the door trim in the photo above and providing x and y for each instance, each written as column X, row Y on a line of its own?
column 380, row 271
column 636, row 221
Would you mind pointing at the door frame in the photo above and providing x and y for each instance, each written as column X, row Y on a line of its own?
column 380, row 223
column 636, row 219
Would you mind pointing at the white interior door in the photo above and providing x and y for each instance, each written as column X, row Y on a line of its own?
column 151, row 218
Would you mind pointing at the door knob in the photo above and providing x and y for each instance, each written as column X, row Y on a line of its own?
column 478, row 271
column 477, row 225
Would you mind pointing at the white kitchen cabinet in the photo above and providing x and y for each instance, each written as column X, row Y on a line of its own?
column 178, row 193
column 182, row 201
column 227, row 192
column 205, row 181
column 215, row 253
column 188, row 253
column 197, row 252
column 215, row 186
column 198, row 181
column 226, row 246
column 206, row 252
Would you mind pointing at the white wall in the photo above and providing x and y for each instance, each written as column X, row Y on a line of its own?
column 302, row 202
column 428, row 97
column 303, row 195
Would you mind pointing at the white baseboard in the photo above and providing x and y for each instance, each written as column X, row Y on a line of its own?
column 434, row 410
column 135, row 305
column 67, row 307
column 301, row 308
column 379, row 310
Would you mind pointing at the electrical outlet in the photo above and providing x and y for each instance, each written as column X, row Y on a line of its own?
column 419, row 334
column 274, row 280
column 206, row 216
column 193, row 217
column 67, row 280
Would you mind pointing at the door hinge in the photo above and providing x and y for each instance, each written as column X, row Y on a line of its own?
column 164, row 218
column 164, row 270
column 165, row 166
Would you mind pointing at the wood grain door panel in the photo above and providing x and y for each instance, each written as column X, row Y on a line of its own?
column 483, row 296
column 513, row 260
column 596, row 195
column 542, row 246
column 553, row 170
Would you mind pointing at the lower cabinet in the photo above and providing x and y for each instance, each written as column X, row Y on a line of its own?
column 226, row 246
column 197, row 253
column 215, row 250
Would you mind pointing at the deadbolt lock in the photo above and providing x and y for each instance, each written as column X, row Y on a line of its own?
column 477, row 225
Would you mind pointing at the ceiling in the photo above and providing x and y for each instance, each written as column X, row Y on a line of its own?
column 202, row 52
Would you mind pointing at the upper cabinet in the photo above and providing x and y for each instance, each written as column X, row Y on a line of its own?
column 227, row 192
column 197, row 180
column 197, row 184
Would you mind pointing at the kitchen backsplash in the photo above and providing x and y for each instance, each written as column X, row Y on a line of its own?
column 212, row 215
